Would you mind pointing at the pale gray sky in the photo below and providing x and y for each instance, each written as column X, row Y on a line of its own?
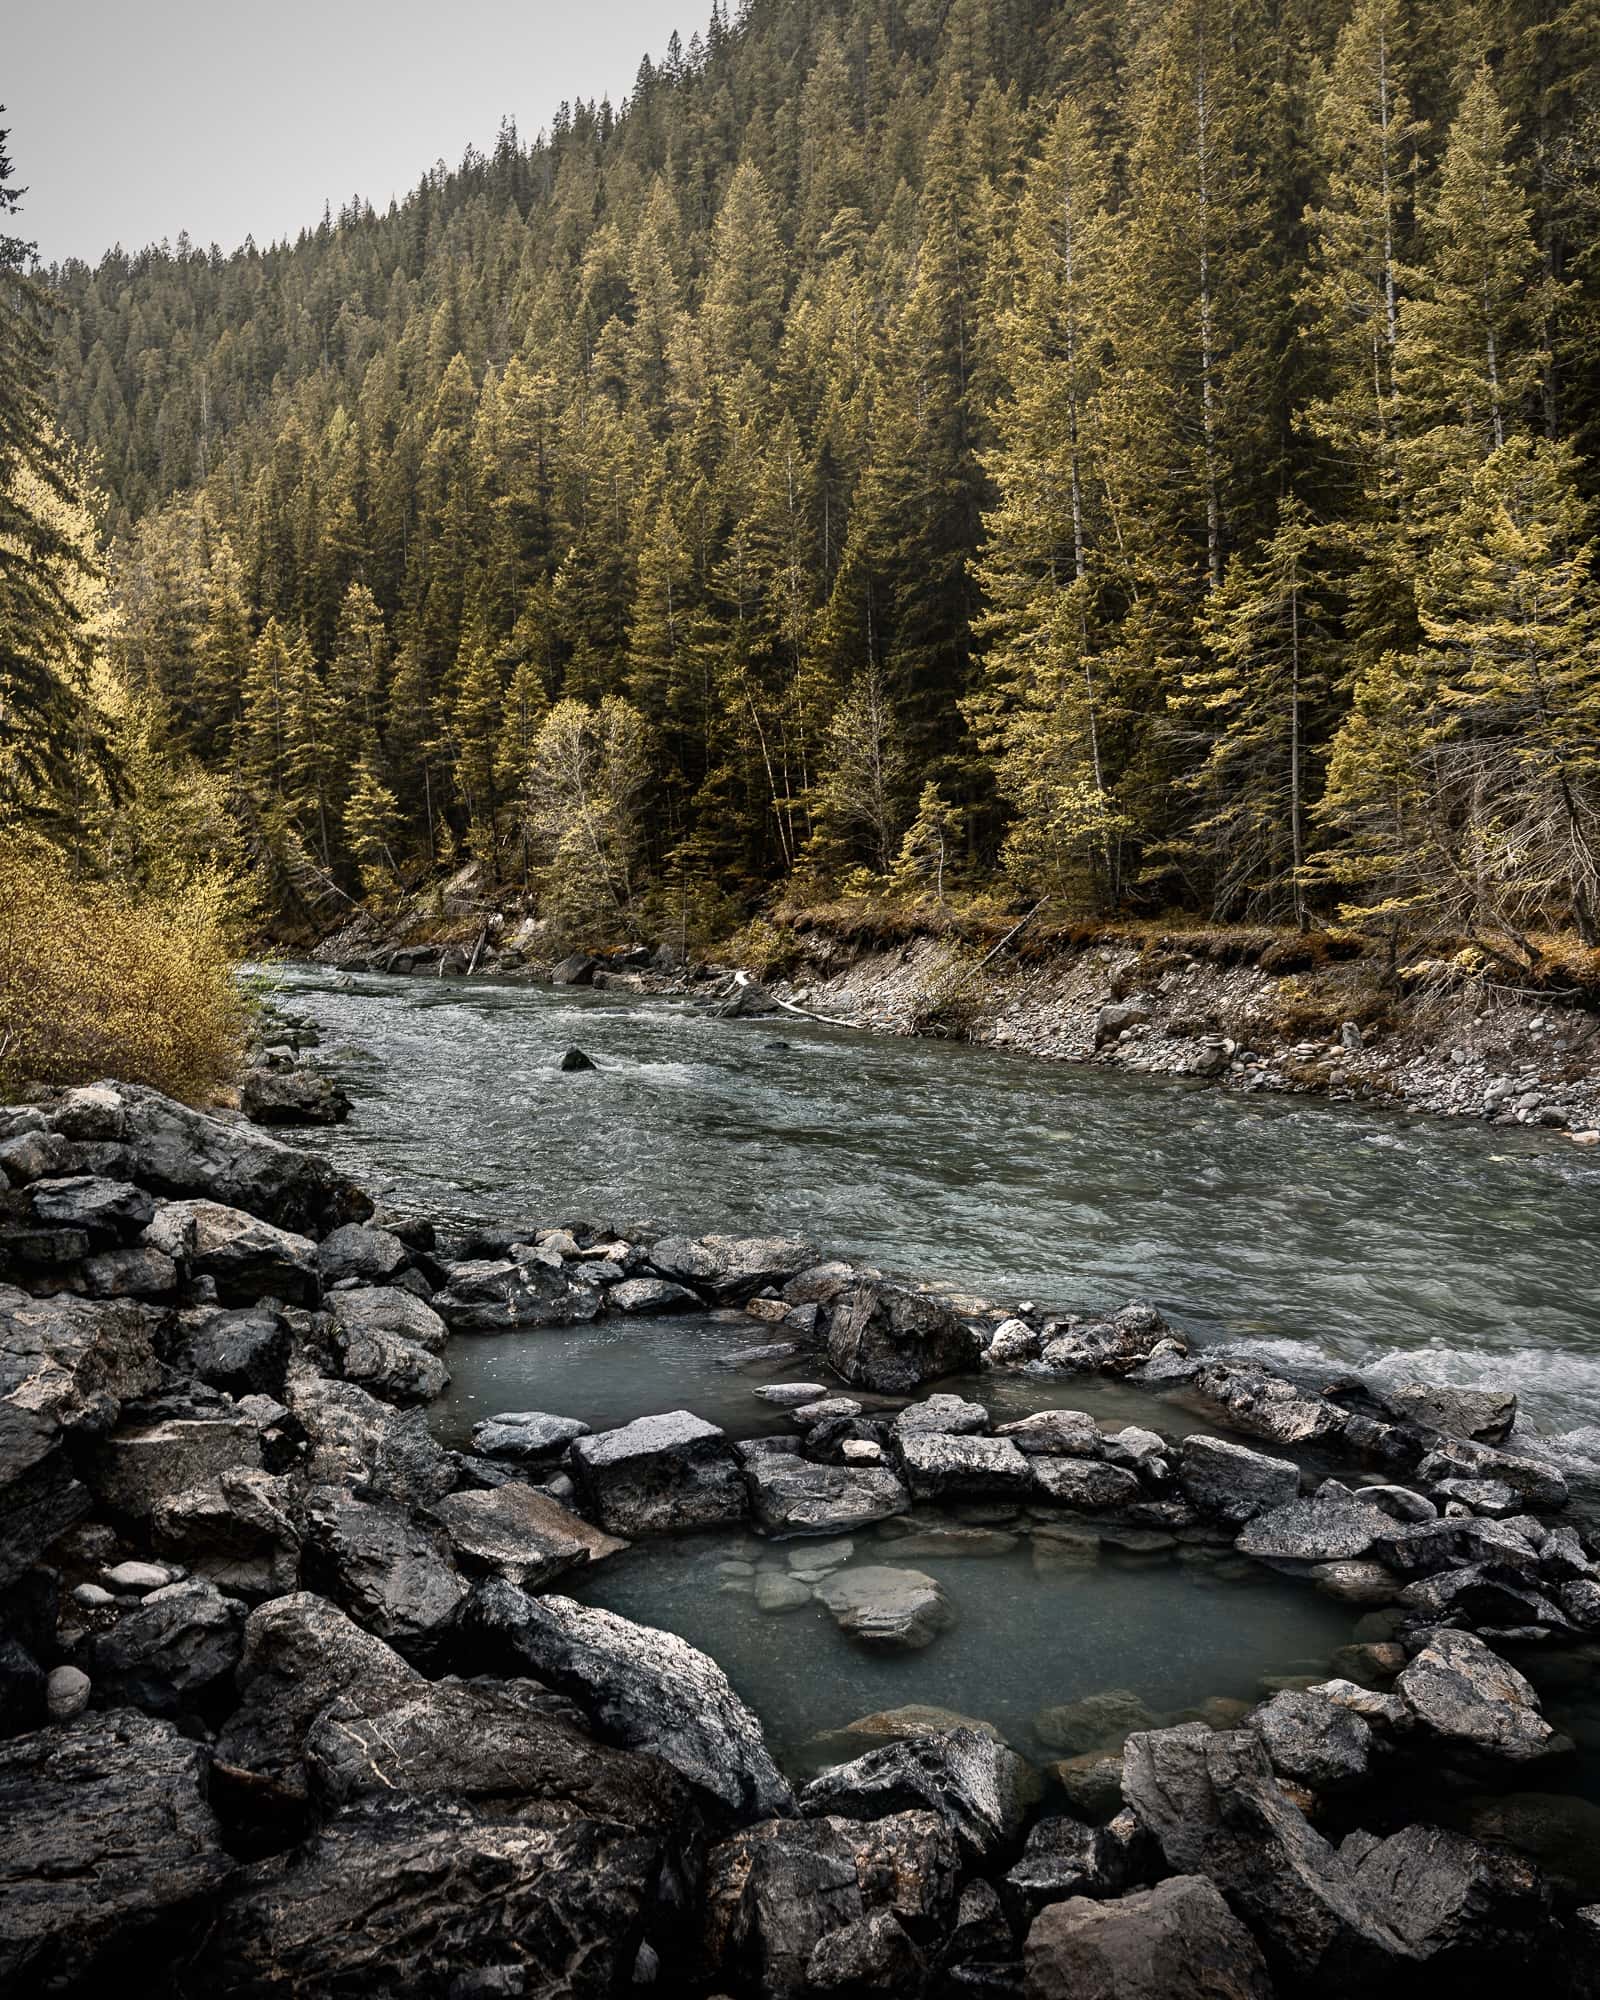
column 133, row 119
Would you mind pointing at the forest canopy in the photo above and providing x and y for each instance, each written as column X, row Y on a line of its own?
column 1136, row 455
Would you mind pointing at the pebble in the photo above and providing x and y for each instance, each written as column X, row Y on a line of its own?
column 790, row 1395
column 862, row 1451
column 140, row 1576
column 92, row 1597
column 66, row 1693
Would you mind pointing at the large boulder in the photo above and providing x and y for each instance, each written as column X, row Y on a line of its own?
column 1468, row 1698
column 245, row 1258
column 1210, row 1801
column 884, row 1337
column 1485, row 1415
column 502, row 1295
column 979, row 1787
column 1331, row 1526
column 292, row 1097
column 107, row 1211
column 177, row 1151
column 660, row 1474
column 237, row 1530
column 354, row 1440
column 244, row 1351
column 111, row 1852
column 529, row 1437
column 731, row 1269
column 1178, row 1941
column 141, row 1464
column 390, row 1365
column 300, row 1653
column 1085, row 1484
column 1112, row 1346
column 66, row 1367
column 1264, row 1405
column 411, row 1896
column 1232, row 1483
column 791, row 1496
column 491, row 1740
column 887, row 1608
column 1313, row 1739
column 521, row 1535
column 374, row 1309
column 779, row 1893
column 358, row 1250
column 391, row 1573
column 1462, row 1907
column 640, row 1688
column 939, row 1466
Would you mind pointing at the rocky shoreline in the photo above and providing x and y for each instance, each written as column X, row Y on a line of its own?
column 292, row 1700
column 1232, row 1012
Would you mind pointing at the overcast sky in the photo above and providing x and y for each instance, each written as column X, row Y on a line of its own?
column 234, row 118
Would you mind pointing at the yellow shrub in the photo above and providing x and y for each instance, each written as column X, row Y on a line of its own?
column 95, row 983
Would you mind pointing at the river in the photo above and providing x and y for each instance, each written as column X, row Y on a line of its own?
column 1303, row 1231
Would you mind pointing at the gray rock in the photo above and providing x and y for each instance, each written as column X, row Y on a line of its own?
column 1485, row 1415
column 776, row 1593
column 640, row 1688
column 245, row 1351
column 1211, row 1802
column 292, row 1097
column 300, row 1654
column 873, row 1954
column 1232, row 1483
column 658, row 1474
column 939, row 1466
column 374, row 1309
column 1469, row 1698
column 1085, row 1484
column 177, row 1151
column 498, row 1295
column 493, row 1740
column 577, row 970
column 1313, row 1739
column 790, row 1395
column 172, row 1650
column 791, row 1895
column 884, row 1337
column 107, row 1210
column 527, row 1435
column 1178, row 1941
column 1330, row 1527
column 652, row 1295
column 1055, row 1434
column 389, row 1365
column 140, row 1576
column 136, row 1468
column 356, row 1441
column 1099, row 1722
column 1064, row 1857
column 237, row 1530
column 131, row 1271
column 66, row 1693
column 731, row 1268
column 979, row 1787
column 108, row 1836
column 941, row 1415
column 1264, row 1405
column 790, row 1496
column 1112, row 1346
column 897, row 1609
column 395, row 1896
column 521, row 1535
column 394, row 1576
column 572, row 1062
column 1457, row 1904
column 1540, row 1484
column 359, row 1250
column 247, row 1259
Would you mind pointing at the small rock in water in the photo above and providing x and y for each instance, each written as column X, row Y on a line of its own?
column 574, row 1059
column 790, row 1395
column 880, row 1606
column 775, row 1593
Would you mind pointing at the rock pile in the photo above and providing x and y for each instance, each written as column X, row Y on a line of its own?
column 292, row 1698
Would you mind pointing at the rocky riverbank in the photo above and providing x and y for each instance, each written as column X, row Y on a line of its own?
column 1239, row 1010
column 292, row 1699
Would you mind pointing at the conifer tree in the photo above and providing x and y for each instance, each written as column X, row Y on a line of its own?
column 371, row 823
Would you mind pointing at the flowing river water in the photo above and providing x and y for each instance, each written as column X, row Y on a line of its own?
column 1305, row 1232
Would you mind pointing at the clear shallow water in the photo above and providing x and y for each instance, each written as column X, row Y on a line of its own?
column 1173, row 1635
column 1304, row 1231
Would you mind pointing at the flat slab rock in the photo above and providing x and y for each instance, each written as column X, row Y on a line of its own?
column 896, row 1609
column 521, row 1535
column 791, row 1496
column 939, row 1465
column 639, row 1687
column 108, row 1834
column 660, row 1474
column 1323, row 1528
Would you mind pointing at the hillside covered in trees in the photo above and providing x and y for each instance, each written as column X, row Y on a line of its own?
column 1140, row 455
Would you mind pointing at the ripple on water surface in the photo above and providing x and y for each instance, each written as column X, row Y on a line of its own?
column 1310, row 1230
